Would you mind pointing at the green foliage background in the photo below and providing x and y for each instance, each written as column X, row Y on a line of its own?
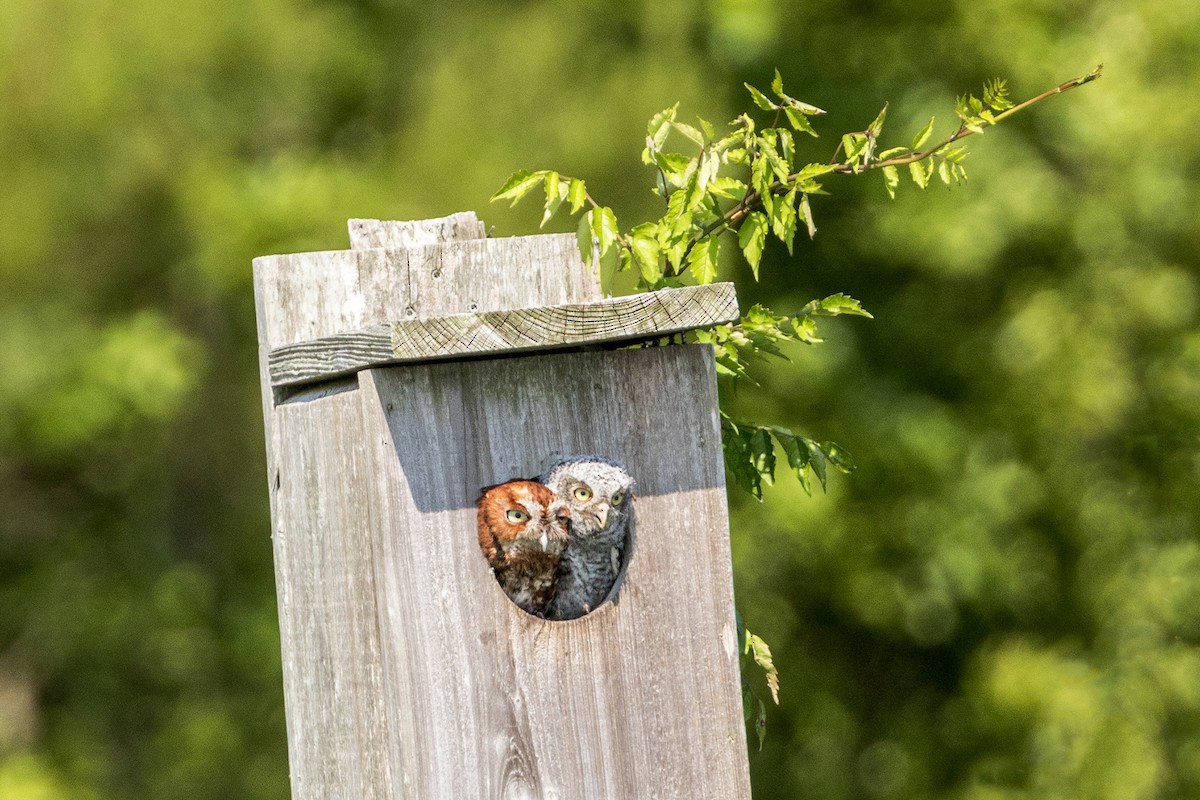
column 1002, row 602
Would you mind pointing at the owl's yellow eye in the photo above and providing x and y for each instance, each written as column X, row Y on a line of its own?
column 516, row 515
column 617, row 499
column 582, row 494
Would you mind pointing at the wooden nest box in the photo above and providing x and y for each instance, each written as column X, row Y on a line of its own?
column 401, row 376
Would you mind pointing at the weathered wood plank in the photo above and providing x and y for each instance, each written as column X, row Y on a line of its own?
column 338, row 745
column 638, row 699
column 339, row 739
column 636, row 317
column 308, row 296
column 385, row 233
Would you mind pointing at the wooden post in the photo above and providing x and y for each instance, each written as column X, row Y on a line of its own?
column 407, row 671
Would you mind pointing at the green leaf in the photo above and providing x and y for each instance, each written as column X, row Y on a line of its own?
column 604, row 228
column 891, row 179
column 583, row 236
column 710, row 164
column 675, row 247
column 777, row 85
column 944, row 172
column 799, row 121
column 854, row 145
column 729, row 188
column 646, row 252
column 787, row 146
column 660, row 125
column 995, row 94
column 806, row 330
column 836, row 305
column 626, row 260
column 805, row 179
column 736, row 449
column 760, row 99
column 556, row 192
column 518, row 185
column 702, row 260
column 690, row 132
column 760, row 721
column 766, row 147
column 838, row 457
column 805, row 212
column 923, row 135
column 612, row 259
column 761, row 653
column 762, row 454
column 920, row 176
column 676, row 166
column 576, row 195
column 876, row 126
column 955, row 153
column 752, row 237
column 783, row 219
column 797, row 456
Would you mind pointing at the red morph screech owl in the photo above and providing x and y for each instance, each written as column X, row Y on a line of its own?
column 523, row 529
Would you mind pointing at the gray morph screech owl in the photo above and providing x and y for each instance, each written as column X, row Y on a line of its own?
column 598, row 491
column 522, row 529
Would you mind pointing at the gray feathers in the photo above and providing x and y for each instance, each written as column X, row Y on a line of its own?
column 598, row 492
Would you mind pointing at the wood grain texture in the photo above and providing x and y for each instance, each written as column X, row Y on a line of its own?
column 375, row 233
column 637, row 317
column 339, row 740
column 407, row 672
column 306, row 296
column 639, row 699
column 338, row 745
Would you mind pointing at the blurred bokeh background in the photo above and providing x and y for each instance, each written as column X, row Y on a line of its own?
column 1002, row 602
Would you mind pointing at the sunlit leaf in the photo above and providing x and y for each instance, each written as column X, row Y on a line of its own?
column 690, row 132
column 646, row 252
column 923, row 135
column 876, row 126
column 702, row 260
column 518, row 185
column 854, row 145
column 556, row 192
column 891, row 179
column 805, row 213
column 799, row 121
column 761, row 653
column 777, row 84
column 729, row 188
column 660, row 125
column 576, row 194
column 917, row 171
column 835, row 305
column 752, row 237
column 783, row 219
column 604, row 228
column 583, row 236
column 760, row 99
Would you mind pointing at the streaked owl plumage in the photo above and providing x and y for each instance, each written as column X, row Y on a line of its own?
column 523, row 532
column 599, row 492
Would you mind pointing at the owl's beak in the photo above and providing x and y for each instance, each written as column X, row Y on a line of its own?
column 601, row 513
